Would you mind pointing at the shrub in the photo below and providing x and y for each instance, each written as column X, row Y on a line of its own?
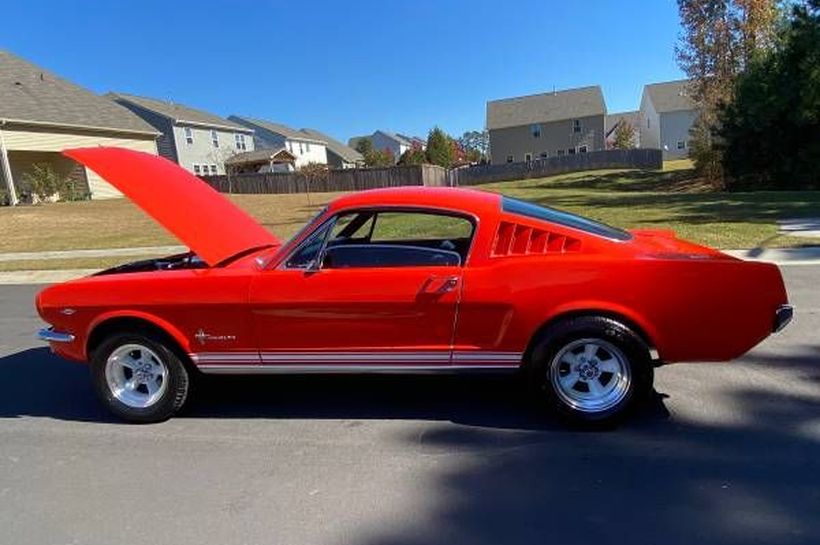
column 42, row 181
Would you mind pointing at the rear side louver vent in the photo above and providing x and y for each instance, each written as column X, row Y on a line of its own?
column 515, row 239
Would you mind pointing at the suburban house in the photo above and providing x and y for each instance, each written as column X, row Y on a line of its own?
column 667, row 115
column 395, row 144
column 339, row 155
column 261, row 160
column 42, row 114
column 268, row 135
column 613, row 121
column 546, row 125
column 198, row 141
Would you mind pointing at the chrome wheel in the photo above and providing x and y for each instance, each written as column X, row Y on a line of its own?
column 136, row 376
column 590, row 375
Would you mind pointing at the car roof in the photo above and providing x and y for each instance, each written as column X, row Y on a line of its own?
column 467, row 200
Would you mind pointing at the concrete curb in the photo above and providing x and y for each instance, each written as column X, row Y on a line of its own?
column 43, row 277
column 809, row 255
column 104, row 252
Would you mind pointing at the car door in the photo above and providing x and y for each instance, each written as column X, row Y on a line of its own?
column 367, row 290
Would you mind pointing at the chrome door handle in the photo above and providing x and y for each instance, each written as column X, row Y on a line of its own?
column 448, row 285
column 445, row 284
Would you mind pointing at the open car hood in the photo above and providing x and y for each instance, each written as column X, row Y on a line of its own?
column 212, row 226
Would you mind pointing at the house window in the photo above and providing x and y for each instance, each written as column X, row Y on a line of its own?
column 240, row 142
column 197, row 171
column 510, row 158
column 535, row 129
column 559, row 153
column 215, row 139
column 189, row 135
column 301, row 149
column 571, row 151
column 544, row 155
column 576, row 125
column 528, row 157
column 681, row 144
column 647, row 122
column 582, row 149
column 307, row 147
column 213, row 170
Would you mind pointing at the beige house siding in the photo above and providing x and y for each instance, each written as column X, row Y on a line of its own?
column 557, row 135
column 53, row 140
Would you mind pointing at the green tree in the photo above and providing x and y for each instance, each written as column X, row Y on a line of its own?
column 770, row 132
column 364, row 146
column 720, row 39
column 476, row 145
column 624, row 135
column 413, row 156
column 372, row 156
column 440, row 148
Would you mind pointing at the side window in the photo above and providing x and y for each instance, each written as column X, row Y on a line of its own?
column 407, row 226
column 397, row 239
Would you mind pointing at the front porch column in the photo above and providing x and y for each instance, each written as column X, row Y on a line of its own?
column 5, row 171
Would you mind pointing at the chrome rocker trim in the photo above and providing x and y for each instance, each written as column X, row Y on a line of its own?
column 49, row 335
column 266, row 369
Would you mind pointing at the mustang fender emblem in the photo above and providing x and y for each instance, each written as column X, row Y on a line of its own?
column 203, row 337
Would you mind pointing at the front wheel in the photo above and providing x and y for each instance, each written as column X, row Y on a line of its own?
column 593, row 370
column 139, row 378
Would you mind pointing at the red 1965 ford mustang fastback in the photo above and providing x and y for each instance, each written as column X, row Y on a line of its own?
column 405, row 280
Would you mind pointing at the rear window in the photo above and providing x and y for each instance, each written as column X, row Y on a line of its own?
column 524, row 208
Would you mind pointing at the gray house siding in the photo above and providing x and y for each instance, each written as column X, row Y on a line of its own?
column 165, row 143
column 556, row 138
column 202, row 150
column 675, row 127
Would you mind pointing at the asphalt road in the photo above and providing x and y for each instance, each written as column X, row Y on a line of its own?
column 726, row 453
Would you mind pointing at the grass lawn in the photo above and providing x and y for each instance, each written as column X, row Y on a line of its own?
column 632, row 199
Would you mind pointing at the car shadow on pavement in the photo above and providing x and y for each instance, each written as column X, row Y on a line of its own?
column 48, row 386
column 734, row 483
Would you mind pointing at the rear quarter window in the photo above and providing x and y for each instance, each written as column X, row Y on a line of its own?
column 566, row 219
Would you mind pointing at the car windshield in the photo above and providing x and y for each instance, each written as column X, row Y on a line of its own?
column 307, row 224
column 524, row 208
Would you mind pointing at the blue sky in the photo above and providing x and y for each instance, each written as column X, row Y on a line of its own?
column 348, row 68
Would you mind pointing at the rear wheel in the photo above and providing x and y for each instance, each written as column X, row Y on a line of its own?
column 139, row 378
column 593, row 370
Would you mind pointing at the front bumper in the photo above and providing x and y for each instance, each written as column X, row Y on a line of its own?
column 782, row 316
column 48, row 334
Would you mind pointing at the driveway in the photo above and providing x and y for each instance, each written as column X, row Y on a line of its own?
column 726, row 453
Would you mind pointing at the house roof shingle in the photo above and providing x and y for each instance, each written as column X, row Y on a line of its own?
column 611, row 121
column 345, row 152
column 278, row 128
column 545, row 107
column 178, row 113
column 257, row 156
column 31, row 94
column 670, row 96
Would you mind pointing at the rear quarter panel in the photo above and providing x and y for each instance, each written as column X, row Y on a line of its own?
column 689, row 309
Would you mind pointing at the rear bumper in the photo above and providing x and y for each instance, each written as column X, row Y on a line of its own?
column 48, row 334
column 782, row 316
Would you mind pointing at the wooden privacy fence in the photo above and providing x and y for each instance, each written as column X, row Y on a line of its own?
column 432, row 175
column 331, row 180
column 594, row 160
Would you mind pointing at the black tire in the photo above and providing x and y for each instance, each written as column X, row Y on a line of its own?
column 176, row 378
column 544, row 369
